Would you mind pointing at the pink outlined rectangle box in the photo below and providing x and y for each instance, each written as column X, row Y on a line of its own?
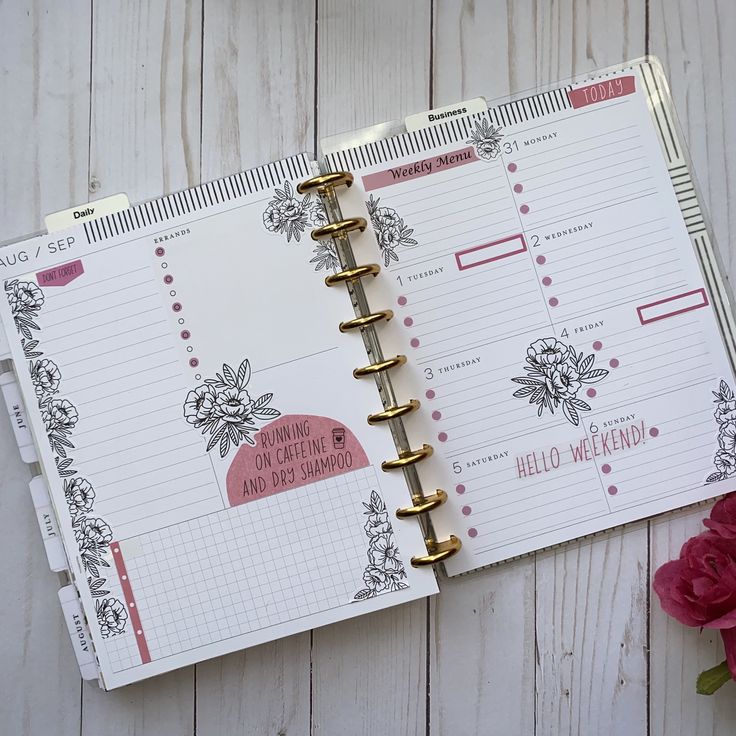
column 672, row 306
column 479, row 255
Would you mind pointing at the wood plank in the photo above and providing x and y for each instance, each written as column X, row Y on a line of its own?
column 692, row 42
column 369, row 674
column 44, row 83
column 482, row 653
column 538, row 46
column 146, row 97
column 144, row 141
column 258, row 68
column 258, row 83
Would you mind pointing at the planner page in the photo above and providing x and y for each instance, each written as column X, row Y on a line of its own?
column 556, row 295
column 205, row 442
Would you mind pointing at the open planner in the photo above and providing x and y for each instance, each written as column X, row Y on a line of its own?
column 226, row 453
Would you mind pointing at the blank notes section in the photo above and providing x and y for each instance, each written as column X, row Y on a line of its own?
column 109, row 335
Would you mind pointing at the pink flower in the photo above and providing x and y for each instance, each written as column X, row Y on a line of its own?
column 699, row 588
column 723, row 518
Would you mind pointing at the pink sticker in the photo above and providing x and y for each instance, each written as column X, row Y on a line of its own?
column 292, row 451
column 602, row 91
column 60, row 275
column 418, row 169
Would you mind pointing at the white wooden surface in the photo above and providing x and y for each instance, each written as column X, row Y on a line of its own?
column 152, row 95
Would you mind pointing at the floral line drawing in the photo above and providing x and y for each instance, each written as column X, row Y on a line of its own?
column 287, row 214
column 555, row 374
column 385, row 571
column 222, row 408
column 391, row 231
column 486, row 140
column 93, row 534
column 725, row 415
column 325, row 256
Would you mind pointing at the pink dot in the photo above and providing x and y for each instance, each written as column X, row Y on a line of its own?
column 612, row 490
column 408, row 321
column 139, row 632
column 414, row 342
column 401, row 300
column 512, row 167
column 430, row 394
column 176, row 307
column 160, row 251
column 466, row 510
column 460, row 488
column 541, row 260
column 597, row 345
column 614, row 363
column 193, row 362
column 546, row 280
column 185, row 334
column 605, row 468
column 554, row 301
column 442, row 436
column 524, row 209
column 436, row 415
column 168, row 279
column 591, row 392
column 472, row 532
column 518, row 188
column 654, row 432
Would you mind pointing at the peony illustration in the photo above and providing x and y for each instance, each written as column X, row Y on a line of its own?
column 287, row 214
column 486, row 140
column 111, row 616
column 391, row 232
column 60, row 416
column 555, row 375
column 25, row 299
column 725, row 415
column 223, row 409
column 79, row 495
column 46, row 377
column 385, row 571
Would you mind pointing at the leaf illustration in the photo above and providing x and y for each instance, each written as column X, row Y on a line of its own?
column 528, row 381
column 586, row 364
column 224, row 444
column 726, row 391
column 594, row 376
column 520, row 393
column 266, row 413
column 570, row 412
column 713, row 477
column 580, row 404
column 361, row 595
column 216, row 437
column 244, row 374
column 230, row 377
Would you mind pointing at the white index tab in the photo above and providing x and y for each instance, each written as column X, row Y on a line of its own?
column 78, row 632
column 18, row 417
column 89, row 211
column 48, row 524
column 441, row 114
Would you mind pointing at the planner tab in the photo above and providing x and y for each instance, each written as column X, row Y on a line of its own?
column 78, row 632
column 443, row 114
column 88, row 211
column 48, row 524
column 18, row 417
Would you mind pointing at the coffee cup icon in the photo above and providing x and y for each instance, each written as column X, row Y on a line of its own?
column 338, row 438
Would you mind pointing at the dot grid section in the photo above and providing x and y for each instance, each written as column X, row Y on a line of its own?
column 247, row 568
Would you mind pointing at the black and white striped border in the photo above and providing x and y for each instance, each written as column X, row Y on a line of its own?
column 197, row 198
column 449, row 131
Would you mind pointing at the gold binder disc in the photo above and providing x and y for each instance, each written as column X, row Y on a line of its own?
column 353, row 274
column 366, row 319
column 408, row 458
column 437, row 551
column 322, row 182
column 384, row 365
column 340, row 227
column 393, row 412
column 423, row 506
